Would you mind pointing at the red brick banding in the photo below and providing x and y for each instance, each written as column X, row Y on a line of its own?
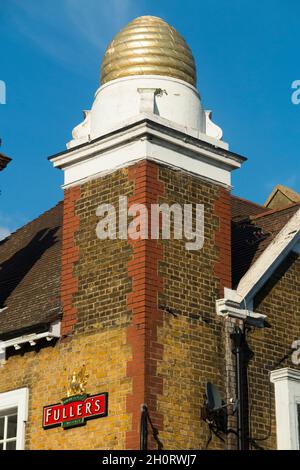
column 222, row 267
column 70, row 255
column 143, row 302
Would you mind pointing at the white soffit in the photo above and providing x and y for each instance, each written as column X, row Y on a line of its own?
column 31, row 338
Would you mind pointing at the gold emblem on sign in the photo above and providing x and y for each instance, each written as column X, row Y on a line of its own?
column 78, row 382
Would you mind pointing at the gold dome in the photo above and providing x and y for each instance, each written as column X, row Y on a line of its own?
column 148, row 46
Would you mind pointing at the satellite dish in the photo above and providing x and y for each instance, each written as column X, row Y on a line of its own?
column 214, row 411
column 214, row 401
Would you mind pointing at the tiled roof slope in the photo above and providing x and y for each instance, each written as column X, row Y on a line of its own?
column 30, row 275
column 241, row 208
column 252, row 234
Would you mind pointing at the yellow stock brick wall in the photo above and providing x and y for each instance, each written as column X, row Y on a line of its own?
column 102, row 267
column 192, row 337
column 47, row 373
column 188, row 344
column 279, row 299
column 99, row 335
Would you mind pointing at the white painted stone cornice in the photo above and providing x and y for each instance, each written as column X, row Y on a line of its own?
column 227, row 308
column 287, row 399
column 147, row 138
column 285, row 374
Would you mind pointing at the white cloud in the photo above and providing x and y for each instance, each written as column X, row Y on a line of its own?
column 10, row 223
column 95, row 19
column 289, row 181
column 72, row 30
column 4, row 232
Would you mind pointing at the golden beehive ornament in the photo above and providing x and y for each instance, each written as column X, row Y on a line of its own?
column 148, row 46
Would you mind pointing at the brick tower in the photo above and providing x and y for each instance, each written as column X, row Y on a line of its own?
column 140, row 311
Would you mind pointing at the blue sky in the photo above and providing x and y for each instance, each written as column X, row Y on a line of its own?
column 247, row 56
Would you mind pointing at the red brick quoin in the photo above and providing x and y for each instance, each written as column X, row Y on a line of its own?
column 143, row 302
column 70, row 254
column 222, row 267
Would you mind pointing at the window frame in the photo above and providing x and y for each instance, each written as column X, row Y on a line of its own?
column 287, row 400
column 5, row 415
column 17, row 399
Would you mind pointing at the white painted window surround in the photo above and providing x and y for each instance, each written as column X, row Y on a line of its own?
column 17, row 399
column 287, row 399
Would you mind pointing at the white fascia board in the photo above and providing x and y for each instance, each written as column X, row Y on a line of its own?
column 53, row 332
column 131, row 144
column 263, row 268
